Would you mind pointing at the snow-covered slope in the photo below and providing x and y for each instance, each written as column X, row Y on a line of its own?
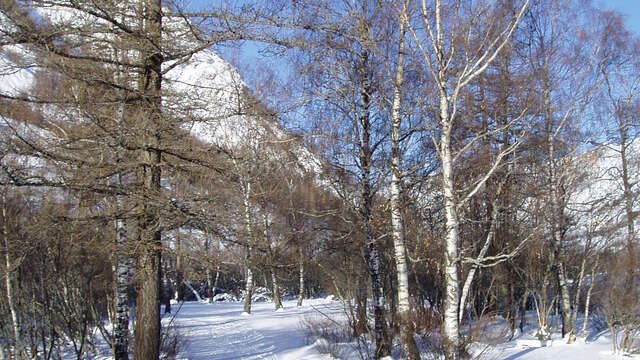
column 203, row 90
column 597, row 202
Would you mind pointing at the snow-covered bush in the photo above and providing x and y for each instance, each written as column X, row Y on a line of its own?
column 225, row 297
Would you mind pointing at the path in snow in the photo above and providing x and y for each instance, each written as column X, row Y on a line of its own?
column 221, row 331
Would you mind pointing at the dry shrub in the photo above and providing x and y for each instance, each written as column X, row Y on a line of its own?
column 326, row 333
column 171, row 343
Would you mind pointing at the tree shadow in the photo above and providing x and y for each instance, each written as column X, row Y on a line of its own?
column 520, row 354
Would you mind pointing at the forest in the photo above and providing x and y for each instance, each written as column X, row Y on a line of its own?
column 443, row 177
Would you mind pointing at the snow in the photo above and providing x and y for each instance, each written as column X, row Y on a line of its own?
column 558, row 349
column 220, row 331
column 224, row 331
column 526, row 346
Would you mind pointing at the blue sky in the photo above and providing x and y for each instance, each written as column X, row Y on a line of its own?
column 630, row 8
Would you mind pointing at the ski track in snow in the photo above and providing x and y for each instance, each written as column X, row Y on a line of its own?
column 220, row 331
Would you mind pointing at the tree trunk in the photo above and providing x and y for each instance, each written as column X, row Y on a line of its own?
column 404, row 310
column 166, row 290
column 361, row 323
column 301, row 286
column 179, row 270
column 485, row 248
column 274, row 281
column 122, row 259
column 371, row 247
column 451, row 296
column 121, row 325
column 15, row 325
column 587, row 300
column 276, row 291
column 557, row 218
column 628, row 204
column 147, row 332
column 248, row 289
column 523, row 311
column 576, row 302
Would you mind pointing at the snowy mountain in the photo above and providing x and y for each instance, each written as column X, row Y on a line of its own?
column 597, row 204
column 205, row 87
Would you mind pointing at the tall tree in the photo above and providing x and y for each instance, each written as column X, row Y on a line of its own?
column 454, row 59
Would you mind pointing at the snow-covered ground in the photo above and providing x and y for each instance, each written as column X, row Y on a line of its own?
column 221, row 331
column 527, row 347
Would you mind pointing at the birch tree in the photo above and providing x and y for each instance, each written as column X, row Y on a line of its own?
column 453, row 61
column 404, row 309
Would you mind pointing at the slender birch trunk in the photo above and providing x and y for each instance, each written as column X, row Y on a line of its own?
column 121, row 326
column 122, row 259
column 403, row 306
column 179, row 269
column 557, row 217
column 485, row 248
column 9, row 279
column 371, row 247
column 248, row 289
column 274, row 281
column 576, row 302
column 587, row 300
column 628, row 205
column 301, row 285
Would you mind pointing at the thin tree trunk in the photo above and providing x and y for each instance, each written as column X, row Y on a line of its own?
column 404, row 310
column 523, row 311
column 371, row 247
column 121, row 326
column 179, row 269
column 485, row 248
column 557, row 218
column 628, row 204
column 274, row 281
column 588, row 297
column 122, row 259
column 248, row 289
column 15, row 325
column 301, row 286
column 166, row 290
column 576, row 302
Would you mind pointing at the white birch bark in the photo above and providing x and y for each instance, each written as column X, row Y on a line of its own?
column 439, row 59
column 587, row 300
column 301, row 285
column 274, row 281
column 397, row 231
column 122, row 261
column 474, row 267
column 451, row 295
column 557, row 217
column 15, row 325
column 371, row 247
column 576, row 301
column 248, row 289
